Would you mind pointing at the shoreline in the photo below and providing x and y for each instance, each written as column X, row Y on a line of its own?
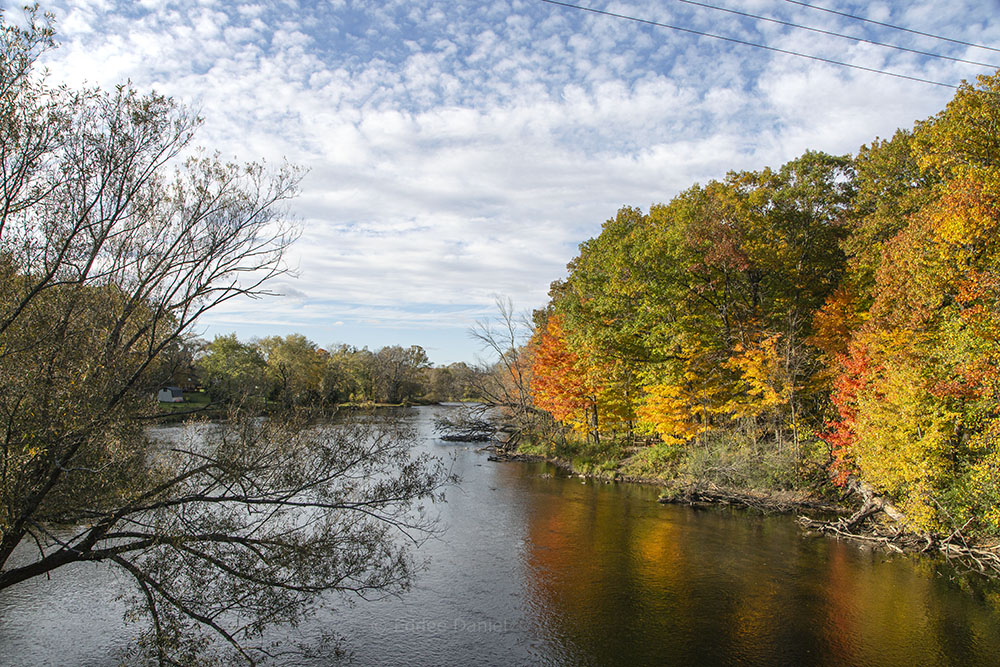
column 782, row 502
column 981, row 559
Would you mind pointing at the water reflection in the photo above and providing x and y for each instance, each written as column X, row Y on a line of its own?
column 618, row 579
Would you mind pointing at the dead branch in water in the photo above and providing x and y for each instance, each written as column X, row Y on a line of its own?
column 982, row 559
column 766, row 503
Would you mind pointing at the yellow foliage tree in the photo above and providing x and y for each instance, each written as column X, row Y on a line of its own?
column 764, row 383
column 679, row 406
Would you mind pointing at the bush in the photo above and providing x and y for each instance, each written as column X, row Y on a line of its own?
column 726, row 459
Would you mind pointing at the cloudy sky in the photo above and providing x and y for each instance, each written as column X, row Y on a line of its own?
column 460, row 149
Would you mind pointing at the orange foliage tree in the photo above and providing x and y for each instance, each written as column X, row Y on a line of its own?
column 917, row 395
column 560, row 384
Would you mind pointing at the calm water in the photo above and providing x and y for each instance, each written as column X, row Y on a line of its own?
column 537, row 568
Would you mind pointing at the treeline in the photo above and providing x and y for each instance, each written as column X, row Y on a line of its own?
column 838, row 317
column 292, row 370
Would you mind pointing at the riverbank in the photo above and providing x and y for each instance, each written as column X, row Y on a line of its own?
column 676, row 491
column 816, row 513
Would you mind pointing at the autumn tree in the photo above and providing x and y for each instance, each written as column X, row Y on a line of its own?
column 917, row 394
column 560, row 383
column 698, row 314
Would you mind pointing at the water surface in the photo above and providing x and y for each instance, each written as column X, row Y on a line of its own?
column 535, row 567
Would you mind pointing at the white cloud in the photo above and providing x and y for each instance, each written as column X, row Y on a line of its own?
column 458, row 149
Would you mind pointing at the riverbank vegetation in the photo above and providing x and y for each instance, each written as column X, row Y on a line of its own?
column 830, row 325
column 293, row 371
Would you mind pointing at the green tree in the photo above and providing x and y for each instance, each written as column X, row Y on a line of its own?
column 231, row 370
column 454, row 382
column 889, row 187
column 397, row 372
column 349, row 375
column 295, row 367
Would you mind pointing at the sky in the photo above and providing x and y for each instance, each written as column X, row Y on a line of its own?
column 460, row 150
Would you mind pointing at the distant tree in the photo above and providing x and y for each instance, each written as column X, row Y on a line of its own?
column 348, row 375
column 454, row 382
column 398, row 372
column 437, row 383
column 295, row 367
column 464, row 380
column 231, row 370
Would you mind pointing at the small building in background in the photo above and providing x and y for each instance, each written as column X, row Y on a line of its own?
column 170, row 395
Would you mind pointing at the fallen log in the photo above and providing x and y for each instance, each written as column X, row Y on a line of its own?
column 767, row 503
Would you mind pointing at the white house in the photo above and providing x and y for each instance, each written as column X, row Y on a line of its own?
column 170, row 395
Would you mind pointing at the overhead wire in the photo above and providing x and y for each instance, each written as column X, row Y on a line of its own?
column 799, row 26
column 753, row 44
column 890, row 25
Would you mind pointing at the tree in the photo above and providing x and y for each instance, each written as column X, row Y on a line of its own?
column 560, row 383
column 348, row 374
column 454, row 382
column 397, row 370
column 504, row 408
column 231, row 370
column 611, row 303
column 918, row 389
column 889, row 187
column 295, row 367
column 111, row 246
column 697, row 314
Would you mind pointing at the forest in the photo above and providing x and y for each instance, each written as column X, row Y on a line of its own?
column 829, row 325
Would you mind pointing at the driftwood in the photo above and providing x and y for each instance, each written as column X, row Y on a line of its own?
column 982, row 559
column 872, row 505
column 894, row 536
column 478, row 425
column 464, row 427
column 501, row 456
column 713, row 495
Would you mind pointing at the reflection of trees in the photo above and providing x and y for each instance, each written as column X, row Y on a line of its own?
column 881, row 612
column 619, row 579
column 601, row 576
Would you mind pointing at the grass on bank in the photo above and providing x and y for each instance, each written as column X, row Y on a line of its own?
column 724, row 460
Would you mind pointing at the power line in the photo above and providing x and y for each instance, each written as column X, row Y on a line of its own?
column 837, row 34
column 753, row 44
column 889, row 25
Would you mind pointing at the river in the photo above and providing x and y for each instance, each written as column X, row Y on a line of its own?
column 535, row 567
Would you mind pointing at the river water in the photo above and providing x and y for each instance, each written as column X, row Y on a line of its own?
column 536, row 567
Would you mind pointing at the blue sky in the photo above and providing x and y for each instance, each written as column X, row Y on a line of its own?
column 462, row 149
